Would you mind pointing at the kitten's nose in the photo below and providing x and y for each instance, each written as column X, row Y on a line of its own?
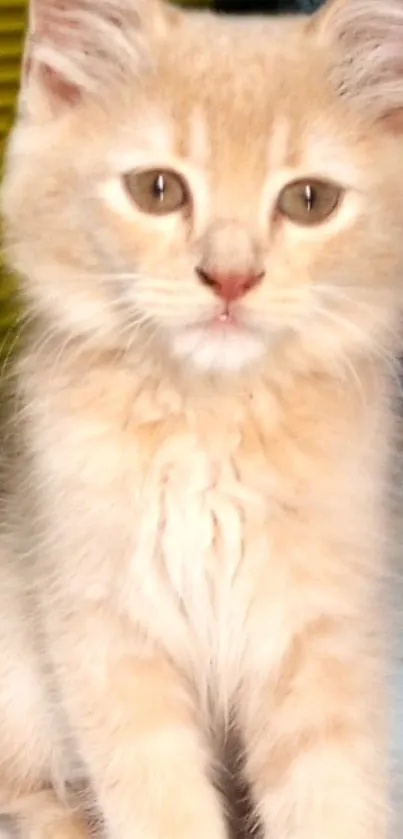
column 231, row 286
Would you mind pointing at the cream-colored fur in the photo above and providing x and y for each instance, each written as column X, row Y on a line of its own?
column 194, row 528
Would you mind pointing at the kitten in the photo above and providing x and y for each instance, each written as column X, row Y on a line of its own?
column 206, row 215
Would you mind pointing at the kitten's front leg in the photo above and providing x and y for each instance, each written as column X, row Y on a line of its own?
column 135, row 725
column 313, row 753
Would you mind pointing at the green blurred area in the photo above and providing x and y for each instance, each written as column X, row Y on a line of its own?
column 12, row 23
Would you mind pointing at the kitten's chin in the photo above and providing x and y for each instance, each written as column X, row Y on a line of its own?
column 219, row 350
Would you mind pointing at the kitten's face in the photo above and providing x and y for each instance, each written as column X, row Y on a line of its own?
column 214, row 208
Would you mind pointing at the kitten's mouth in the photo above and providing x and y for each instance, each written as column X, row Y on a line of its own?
column 226, row 322
column 224, row 319
column 222, row 340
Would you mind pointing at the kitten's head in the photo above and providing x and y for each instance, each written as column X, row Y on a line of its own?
column 223, row 192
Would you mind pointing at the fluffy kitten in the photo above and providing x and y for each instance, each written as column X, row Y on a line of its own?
column 206, row 215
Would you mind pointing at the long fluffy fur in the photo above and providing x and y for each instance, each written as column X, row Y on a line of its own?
column 195, row 524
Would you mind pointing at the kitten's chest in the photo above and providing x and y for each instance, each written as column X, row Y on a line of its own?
column 202, row 537
column 198, row 505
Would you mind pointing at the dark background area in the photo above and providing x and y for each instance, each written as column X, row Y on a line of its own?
column 268, row 6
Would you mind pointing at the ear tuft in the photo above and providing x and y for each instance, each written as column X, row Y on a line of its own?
column 78, row 47
column 366, row 38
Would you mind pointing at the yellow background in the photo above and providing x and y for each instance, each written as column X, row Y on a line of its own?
column 12, row 20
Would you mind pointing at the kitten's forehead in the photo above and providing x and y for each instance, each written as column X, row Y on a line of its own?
column 240, row 96
column 215, row 93
column 227, row 69
column 241, row 88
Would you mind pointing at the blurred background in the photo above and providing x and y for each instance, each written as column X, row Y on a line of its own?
column 12, row 21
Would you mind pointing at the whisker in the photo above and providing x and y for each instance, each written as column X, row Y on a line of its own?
column 354, row 328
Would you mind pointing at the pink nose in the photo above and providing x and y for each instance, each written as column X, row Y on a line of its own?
column 229, row 287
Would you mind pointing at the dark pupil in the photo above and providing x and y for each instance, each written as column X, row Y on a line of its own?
column 309, row 197
column 159, row 187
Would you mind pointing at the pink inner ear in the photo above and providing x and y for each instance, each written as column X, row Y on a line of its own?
column 57, row 86
column 51, row 21
column 84, row 33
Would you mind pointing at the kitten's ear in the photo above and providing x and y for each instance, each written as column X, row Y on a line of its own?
column 366, row 39
column 78, row 47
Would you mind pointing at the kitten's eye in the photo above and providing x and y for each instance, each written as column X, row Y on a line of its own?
column 157, row 191
column 309, row 202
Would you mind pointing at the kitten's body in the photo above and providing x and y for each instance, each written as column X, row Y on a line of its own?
column 196, row 526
